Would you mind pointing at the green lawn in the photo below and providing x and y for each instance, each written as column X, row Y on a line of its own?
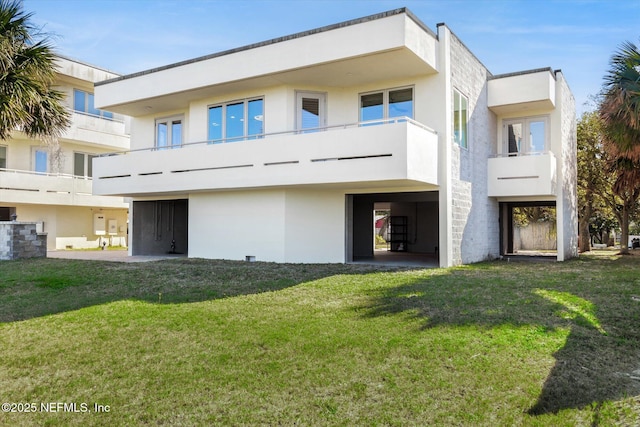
column 195, row 342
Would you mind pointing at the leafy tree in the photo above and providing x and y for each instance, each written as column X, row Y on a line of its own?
column 596, row 200
column 601, row 225
column 620, row 113
column 27, row 72
column 523, row 216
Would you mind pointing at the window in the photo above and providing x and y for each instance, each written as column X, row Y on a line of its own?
column 236, row 120
column 460, row 119
column 386, row 104
column 40, row 160
column 169, row 132
column 3, row 156
column 82, row 164
column 310, row 111
column 83, row 103
column 525, row 136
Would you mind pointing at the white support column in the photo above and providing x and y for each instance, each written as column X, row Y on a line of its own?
column 444, row 166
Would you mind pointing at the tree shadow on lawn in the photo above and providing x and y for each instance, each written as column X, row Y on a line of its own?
column 601, row 352
column 37, row 287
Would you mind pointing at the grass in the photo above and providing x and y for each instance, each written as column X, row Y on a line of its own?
column 195, row 342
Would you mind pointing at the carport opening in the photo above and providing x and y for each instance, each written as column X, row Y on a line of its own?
column 529, row 229
column 160, row 227
column 393, row 227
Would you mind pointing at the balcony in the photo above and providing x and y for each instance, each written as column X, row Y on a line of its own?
column 19, row 186
column 522, row 176
column 398, row 153
column 521, row 92
column 97, row 131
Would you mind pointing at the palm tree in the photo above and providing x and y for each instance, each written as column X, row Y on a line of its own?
column 27, row 71
column 620, row 113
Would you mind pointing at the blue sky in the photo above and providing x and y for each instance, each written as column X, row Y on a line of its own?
column 125, row 36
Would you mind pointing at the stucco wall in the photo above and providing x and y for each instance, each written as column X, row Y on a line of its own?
column 270, row 225
column 569, row 198
column 70, row 222
column 314, row 226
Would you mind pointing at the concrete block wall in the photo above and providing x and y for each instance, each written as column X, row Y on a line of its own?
column 21, row 240
column 476, row 229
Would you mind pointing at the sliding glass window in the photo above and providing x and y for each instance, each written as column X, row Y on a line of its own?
column 235, row 121
column 83, row 102
column 527, row 135
column 82, row 164
column 169, row 132
column 386, row 104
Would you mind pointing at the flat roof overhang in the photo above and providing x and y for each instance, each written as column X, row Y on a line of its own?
column 523, row 91
column 382, row 47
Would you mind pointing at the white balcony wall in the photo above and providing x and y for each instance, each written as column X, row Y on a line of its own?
column 522, row 92
column 402, row 153
column 523, row 176
column 24, row 187
column 90, row 130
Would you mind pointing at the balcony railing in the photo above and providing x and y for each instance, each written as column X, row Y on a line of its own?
column 522, row 175
column 21, row 186
column 261, row 136
column 397, row 151
column 115, row 118
column 97, row 130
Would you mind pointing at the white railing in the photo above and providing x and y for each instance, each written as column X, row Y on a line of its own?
column 23, row 186
column 115, row 118
column 55, row 174
column 402, row 153
column 272, row 134
column 518, row 154
column 532, row 174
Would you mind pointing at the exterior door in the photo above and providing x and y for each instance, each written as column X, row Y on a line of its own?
column 311, row 111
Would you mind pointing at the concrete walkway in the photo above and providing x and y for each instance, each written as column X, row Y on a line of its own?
column 400, row 259
column 113, row 256
column 388, row 258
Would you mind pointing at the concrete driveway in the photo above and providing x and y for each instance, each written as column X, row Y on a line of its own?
column 113, row 256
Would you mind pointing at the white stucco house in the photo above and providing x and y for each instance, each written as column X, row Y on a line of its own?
column 283, row 150
column 52, row 185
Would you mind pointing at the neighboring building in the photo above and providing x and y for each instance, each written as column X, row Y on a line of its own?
column 53, row 187
column 283, row 150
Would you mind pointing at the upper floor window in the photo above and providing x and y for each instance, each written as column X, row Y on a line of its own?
column 82, row 164
column 310, row 111
column 169, row 132
column 83, row 103
column 236, row 120
column 3, row 156
column 460, row 119
column 40, row 160
column 527, row 135
column 386, row 104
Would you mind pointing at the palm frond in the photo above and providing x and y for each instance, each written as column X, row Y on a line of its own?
column 27, row 73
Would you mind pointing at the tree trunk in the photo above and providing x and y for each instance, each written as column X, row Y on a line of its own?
column 624, row 230
column 585, row 238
